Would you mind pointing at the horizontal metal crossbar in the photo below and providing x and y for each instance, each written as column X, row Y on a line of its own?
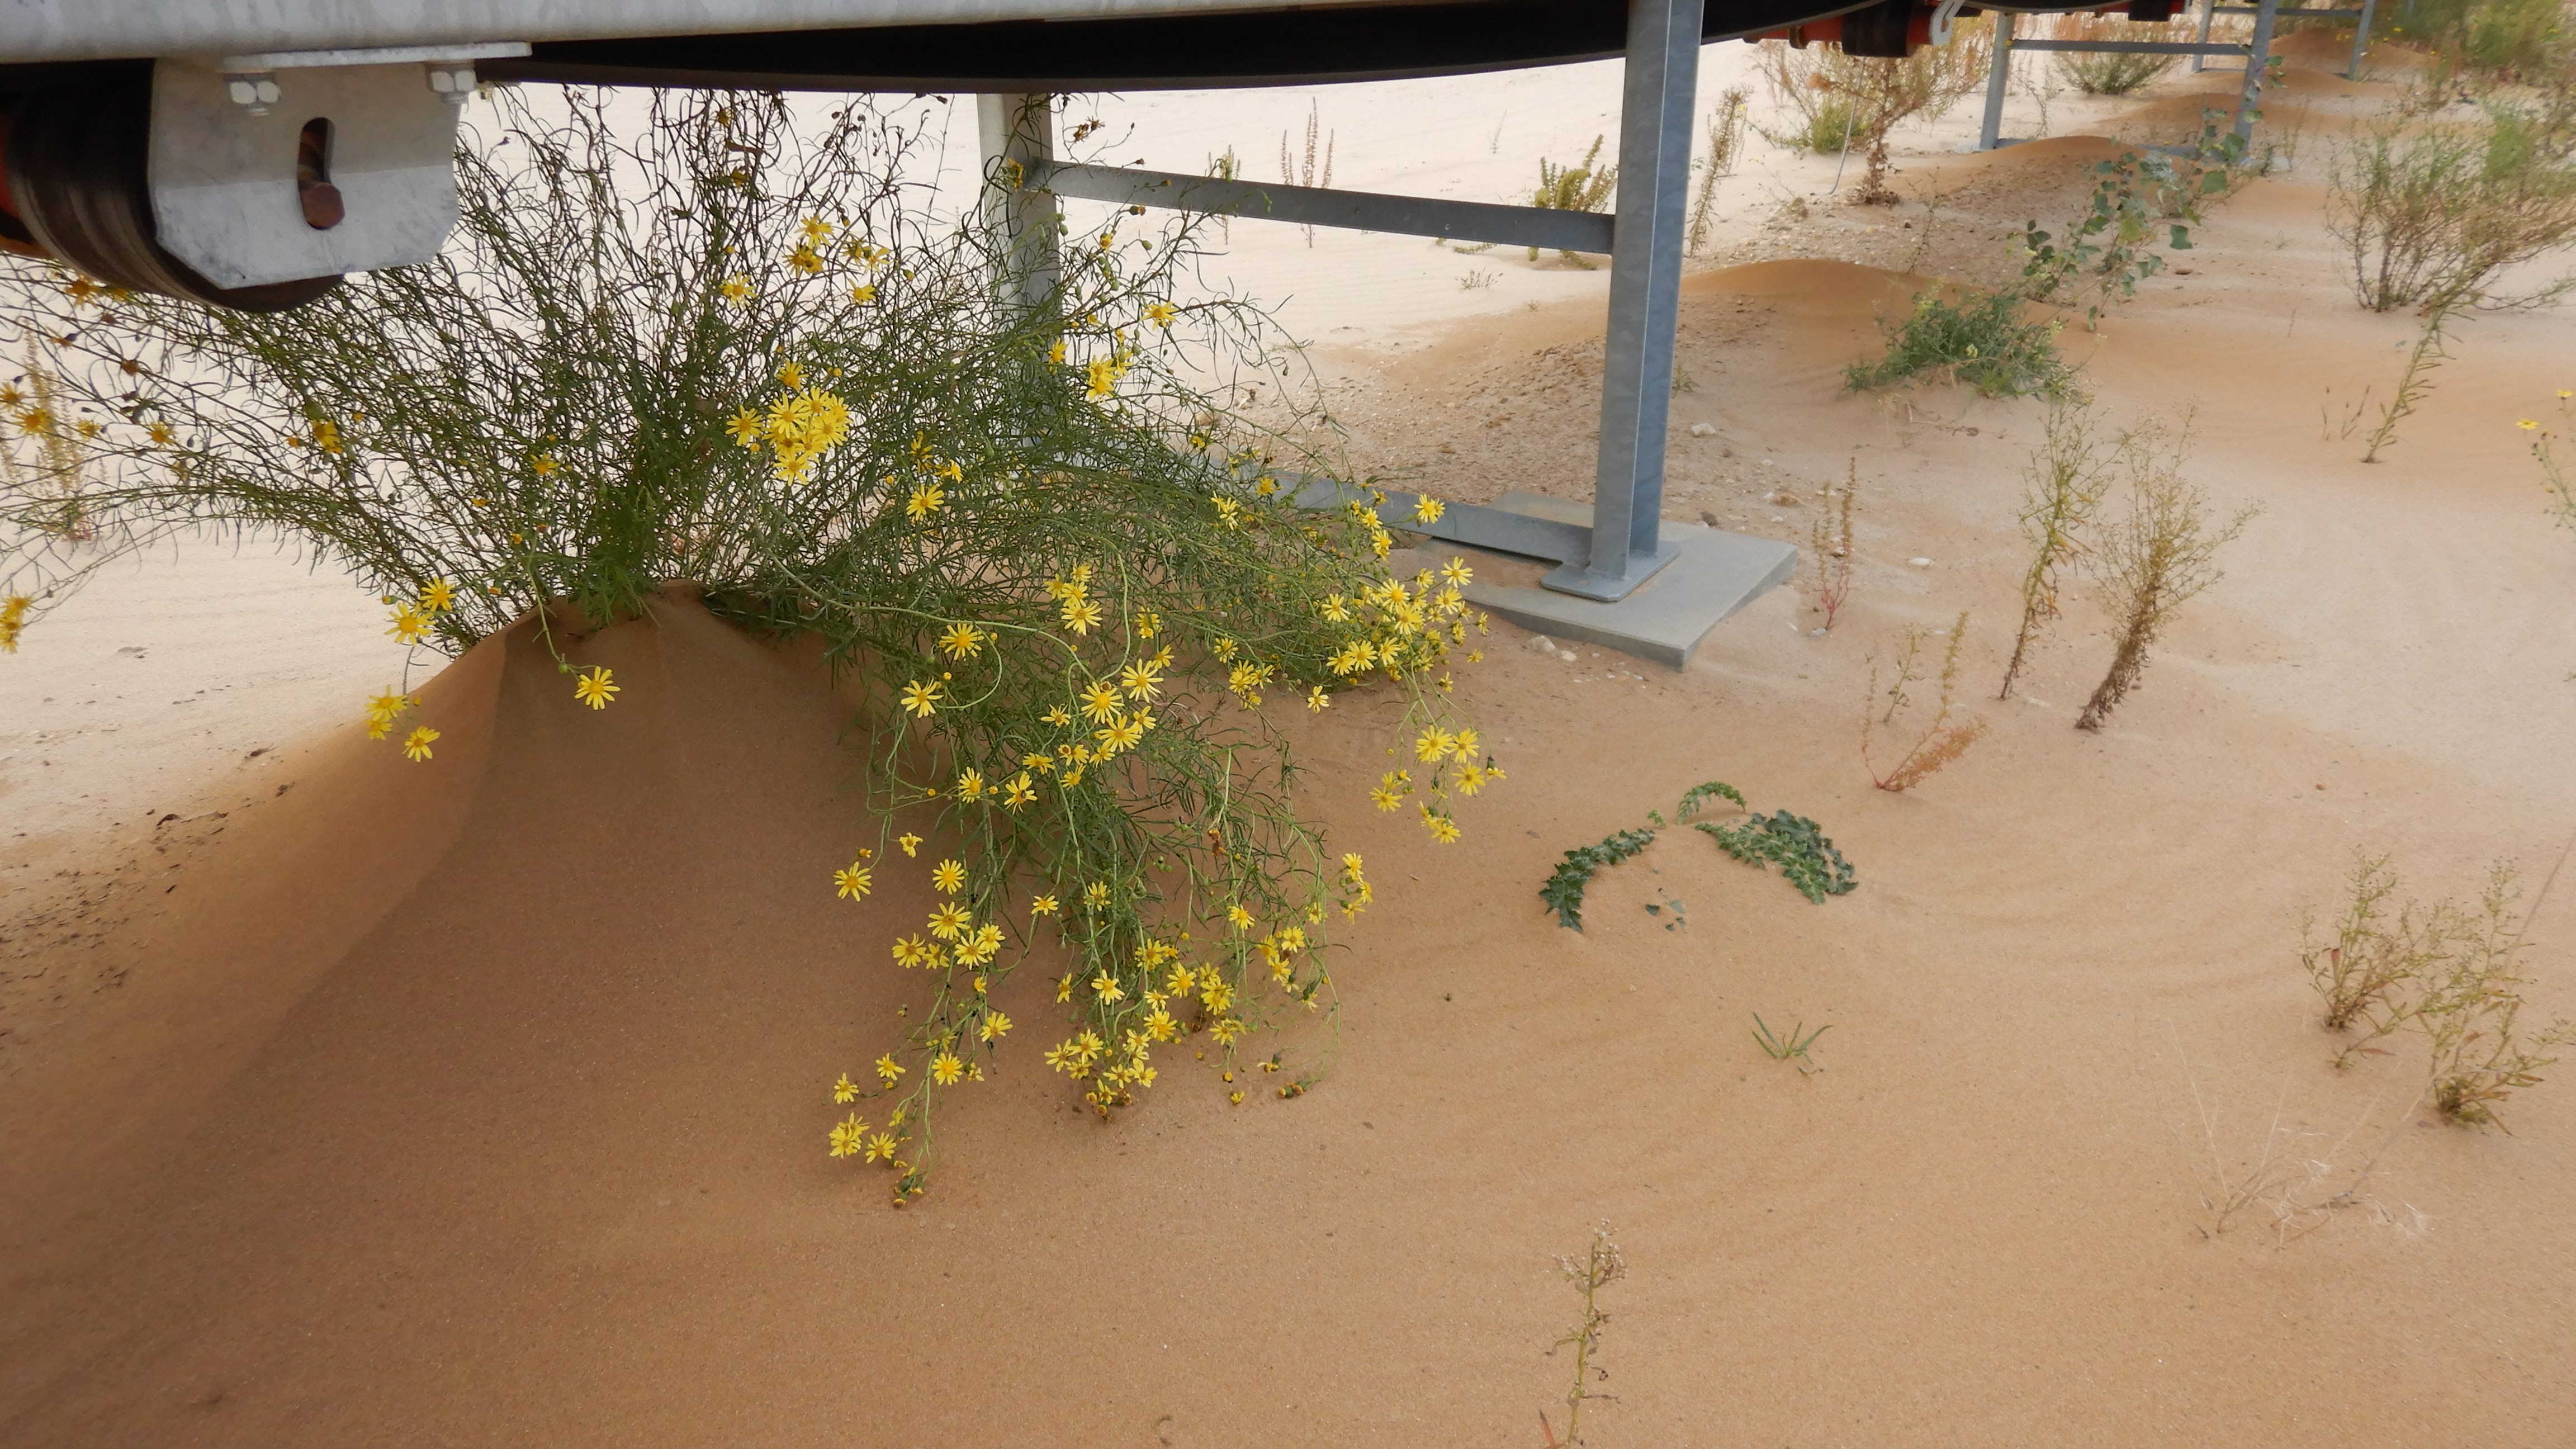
column 2286, row 13
column 1573, row 231
column 2131, row 47
column 1495, row 529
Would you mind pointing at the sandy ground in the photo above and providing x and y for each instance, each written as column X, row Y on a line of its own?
column 482, row 1102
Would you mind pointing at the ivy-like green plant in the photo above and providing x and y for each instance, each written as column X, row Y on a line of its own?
column 1563, row 892
column 1792, row 842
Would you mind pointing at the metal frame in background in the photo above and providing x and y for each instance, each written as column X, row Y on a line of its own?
column 2257, row 53
column 2361, row 18
column 1623, row 547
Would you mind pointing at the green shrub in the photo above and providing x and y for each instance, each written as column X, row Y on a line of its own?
column 710, row 344
column 1981, row 340
column 2431, row 212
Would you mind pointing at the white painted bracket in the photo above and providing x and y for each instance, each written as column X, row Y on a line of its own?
column 224, row 188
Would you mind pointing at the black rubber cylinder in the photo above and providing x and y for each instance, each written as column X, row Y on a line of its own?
column 78, row 181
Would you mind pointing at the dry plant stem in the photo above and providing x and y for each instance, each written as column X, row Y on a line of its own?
column 1941, row 742
column 1599, row 1267
column 1291, row 174
column 2364, row 975
column 2431, row 350
column 2157, row 559
column 1855, row 101
column 2471, row 1011
column 2068, row 475
column 1725, row 139
column 1829, row 539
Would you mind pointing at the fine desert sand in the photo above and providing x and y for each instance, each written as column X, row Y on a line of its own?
column 346, row 1101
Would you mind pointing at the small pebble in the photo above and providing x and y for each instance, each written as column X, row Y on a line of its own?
column 1920, row 563
column 1540, row 644
column 1703, row 430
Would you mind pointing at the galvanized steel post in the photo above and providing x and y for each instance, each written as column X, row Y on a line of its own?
column 1998, row 79
column 1657, row 104
column 2256, row 63
column 1018, row 143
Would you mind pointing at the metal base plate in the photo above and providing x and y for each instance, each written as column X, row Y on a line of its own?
column 1713, row 574
column 1579, row 579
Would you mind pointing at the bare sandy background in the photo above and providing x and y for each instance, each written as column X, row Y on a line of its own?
column 482, row 1102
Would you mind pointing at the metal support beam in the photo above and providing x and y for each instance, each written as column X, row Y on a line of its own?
column 1018, row 144
column 1998, row 80
column 2361, row 38
column 1573, row 231
column 1658, row 97
column 2132, row 47
column 2249, row 100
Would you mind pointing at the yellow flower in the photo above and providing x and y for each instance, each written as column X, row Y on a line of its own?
column 924, row 502
column 845, row 1091
column 545, row 465
column 1228, row 512
column 1021, row 791
column 1055, row 352
column 1096, row 893
column 1428, row 509
column 383, row 709
column 1161, row 313
column 593, row 689
column 1080, row 615
column 846, row 1135
column 1148, row 623
column 1442, row 828
column 791, row 375
column 437, row 596
column 2526, row 425
column 736, row 289
column 922, row 699
column 950, row 921
column 945, row 1069
column 854, row 882
column 881, row 1147
column 911, row 843
column 746, row 428
column 994, row 1027
column 970, row 786
column 888, row 1069
column 326, row 434
column 806, row 261
column 947, row 877
column 417, row 745
column 1472, row 779
column 162, row 435
column 1043, row 906
column 962, row 641
column 1434, row 744
column 1463, row 745
column 1316, row 699
column 410, row 625
column 1106, row 987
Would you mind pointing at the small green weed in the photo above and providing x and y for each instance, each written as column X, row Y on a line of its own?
column 1563, row 892
column 1791, row 1048
column 1792, row 842
column 1981, row 340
